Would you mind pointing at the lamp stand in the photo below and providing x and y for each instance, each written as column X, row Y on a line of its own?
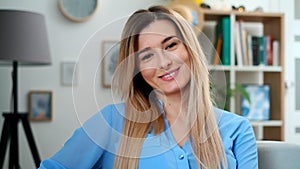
column 10, row 130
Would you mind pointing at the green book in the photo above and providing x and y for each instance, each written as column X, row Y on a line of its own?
column 262, row 60
column 225, row 58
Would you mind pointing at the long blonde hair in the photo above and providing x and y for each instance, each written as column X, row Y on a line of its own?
column 141, row 109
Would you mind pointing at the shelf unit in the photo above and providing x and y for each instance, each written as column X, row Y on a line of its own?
column 273, row 24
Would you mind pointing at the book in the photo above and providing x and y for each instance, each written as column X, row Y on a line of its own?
column 225, row 24
column 245, row 47
column 261, row 46
column 259, row 106
column 255, row 50
column 218, row 50
column 250, row 53
column 269, row 49
column 275, row 51
column 237, row 45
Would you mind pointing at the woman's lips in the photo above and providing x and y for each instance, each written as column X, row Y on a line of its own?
column 170, row 75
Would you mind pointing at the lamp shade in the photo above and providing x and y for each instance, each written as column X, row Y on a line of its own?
column 23, row 38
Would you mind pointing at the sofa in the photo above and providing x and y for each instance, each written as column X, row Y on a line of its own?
column 278, row 155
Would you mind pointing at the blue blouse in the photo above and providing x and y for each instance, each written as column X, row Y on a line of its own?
column 93, row 145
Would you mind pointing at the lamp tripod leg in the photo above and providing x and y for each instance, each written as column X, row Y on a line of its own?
column 4, row 140
column 31, row 142
column 14, row 144
column 10, row 132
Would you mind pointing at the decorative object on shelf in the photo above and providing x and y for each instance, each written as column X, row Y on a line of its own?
column 238, row 89
column 239, row 8
column 110, row 51
column 259, row 107
column 190, row 11
column 69, row 75
column 198, row 2
column 225, row 93
column 78, row 10
column 205, row 6
column 259, row 9
column 40, row 105
column 23, row 41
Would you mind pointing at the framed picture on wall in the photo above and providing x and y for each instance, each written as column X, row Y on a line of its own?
column 110, row 51
column 69, row 74
column 40, row 105
column 259, row 106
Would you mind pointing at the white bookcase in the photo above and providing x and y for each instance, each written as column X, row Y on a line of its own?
column 272, row 24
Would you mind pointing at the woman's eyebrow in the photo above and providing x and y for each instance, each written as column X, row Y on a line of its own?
column 167, row 39
column 143, row 50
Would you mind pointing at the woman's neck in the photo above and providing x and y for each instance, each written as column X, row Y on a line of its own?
column 174, row 106
column 175, row 110
column 174, row 103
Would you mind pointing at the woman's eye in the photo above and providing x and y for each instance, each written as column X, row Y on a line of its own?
column 146, row 57
column 171, row 45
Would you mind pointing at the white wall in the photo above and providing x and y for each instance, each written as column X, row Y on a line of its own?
column 69, row 40
column 292, row 116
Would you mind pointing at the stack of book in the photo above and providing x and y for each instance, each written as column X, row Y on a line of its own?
column 251, row 48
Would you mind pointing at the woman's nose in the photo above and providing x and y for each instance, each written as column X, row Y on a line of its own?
column 164, row 61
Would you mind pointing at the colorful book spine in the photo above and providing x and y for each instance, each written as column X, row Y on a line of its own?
column 218, row 50
column 255, row 50
column 261, row 46
column 225, row 58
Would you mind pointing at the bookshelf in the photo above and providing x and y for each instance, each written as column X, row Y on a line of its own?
column 271, row 24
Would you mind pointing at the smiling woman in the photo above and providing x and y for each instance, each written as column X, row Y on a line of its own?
column 166, row 119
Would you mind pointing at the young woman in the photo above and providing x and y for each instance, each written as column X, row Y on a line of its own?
column 167, row 119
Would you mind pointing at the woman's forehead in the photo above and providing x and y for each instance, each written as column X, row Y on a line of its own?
column 159, row 28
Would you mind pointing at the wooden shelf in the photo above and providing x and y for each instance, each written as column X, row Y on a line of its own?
column 272, row 24
column 246, row 68
column 258, row 127
column 270, row 123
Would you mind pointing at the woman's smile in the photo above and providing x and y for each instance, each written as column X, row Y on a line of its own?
column 169, row 75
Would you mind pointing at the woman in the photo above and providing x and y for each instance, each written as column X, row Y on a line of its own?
column 167, row 119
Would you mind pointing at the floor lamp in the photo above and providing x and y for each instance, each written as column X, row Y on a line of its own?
column 23, row 41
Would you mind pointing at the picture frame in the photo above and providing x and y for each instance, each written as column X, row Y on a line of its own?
column 110, row 52
column 40, row 105
column 258, row 108
column 69, row 76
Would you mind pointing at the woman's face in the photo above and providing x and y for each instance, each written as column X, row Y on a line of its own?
column 162, row 58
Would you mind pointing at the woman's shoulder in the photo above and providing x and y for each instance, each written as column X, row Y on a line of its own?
column 223, row 116
column 113, row 110
column 231, row 123
column 110, row 116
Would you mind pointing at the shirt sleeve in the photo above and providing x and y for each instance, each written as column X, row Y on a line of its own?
column 88, row 143
column 78, row 152
column 245, row 148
